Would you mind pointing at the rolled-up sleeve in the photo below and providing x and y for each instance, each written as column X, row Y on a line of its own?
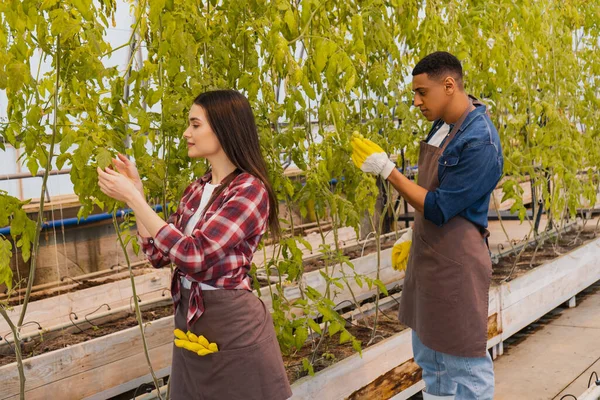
column 243, row 214
column 474, row 176
column 155, row 257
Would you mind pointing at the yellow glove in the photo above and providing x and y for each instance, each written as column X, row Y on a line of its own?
column 197, row 344
column 369, row 157
column 401, row 250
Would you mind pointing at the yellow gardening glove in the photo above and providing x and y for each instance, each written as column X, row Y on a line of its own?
column 369, row 157
column 179, row 334
column 401, row 250
column 197, row 344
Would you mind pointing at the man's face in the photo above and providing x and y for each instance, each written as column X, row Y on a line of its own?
column 431, row 96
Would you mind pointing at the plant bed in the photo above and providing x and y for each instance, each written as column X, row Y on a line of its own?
column 533, row 257
column 84, row 331
column 98, row 365
column 59, row 310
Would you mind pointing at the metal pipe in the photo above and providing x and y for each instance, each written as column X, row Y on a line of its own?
column 83, row 221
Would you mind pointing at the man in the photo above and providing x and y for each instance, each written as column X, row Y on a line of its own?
column 445, row 294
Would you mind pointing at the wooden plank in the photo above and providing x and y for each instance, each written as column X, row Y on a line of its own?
column 112, row 375
column 73, row 361
column 55, row 310
column 56, row 202
column 411, row 391
column 391, row 383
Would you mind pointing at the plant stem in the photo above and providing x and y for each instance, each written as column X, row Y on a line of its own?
column 40, row 217
column 138, row 313
column 17, row 344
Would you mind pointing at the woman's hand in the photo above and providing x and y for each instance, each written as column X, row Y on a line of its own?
column 118, row 186
column 124, row 166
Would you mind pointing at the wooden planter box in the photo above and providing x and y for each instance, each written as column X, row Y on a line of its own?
column 56, row 310
column 113, row 364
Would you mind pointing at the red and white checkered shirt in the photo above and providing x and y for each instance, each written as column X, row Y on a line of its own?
column 219, row 251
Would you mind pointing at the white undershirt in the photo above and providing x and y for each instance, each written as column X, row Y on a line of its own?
column 209, row 188
column 438, row 137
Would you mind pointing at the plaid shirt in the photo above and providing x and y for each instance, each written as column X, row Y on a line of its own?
column 219, row 252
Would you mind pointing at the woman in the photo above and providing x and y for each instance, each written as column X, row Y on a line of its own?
column 211, row 239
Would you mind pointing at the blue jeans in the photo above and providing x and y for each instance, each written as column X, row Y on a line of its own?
column 447, row 375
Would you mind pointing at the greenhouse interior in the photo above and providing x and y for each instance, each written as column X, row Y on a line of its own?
column 402, row 197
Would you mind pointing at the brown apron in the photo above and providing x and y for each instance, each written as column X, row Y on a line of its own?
column 248, row 364
column 446, row 288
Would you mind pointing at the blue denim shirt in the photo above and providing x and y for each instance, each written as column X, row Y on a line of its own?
column 468, row 171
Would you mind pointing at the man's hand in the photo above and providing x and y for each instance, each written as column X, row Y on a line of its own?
column 370, row 158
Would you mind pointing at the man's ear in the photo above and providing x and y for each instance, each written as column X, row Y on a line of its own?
column 450, row 85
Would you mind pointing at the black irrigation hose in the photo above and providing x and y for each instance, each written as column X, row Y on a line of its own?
column 76, row 318
column 597, row 382
column 88, row 321
column 146, row 387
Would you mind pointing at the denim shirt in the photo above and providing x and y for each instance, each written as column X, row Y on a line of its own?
column 468, row 171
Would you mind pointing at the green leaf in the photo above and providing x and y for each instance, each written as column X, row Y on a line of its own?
column 381, row 286
column 61, row 159
column 314, row 326
column 33, row 166
column 103, row 158
column 290, row 20
column 334, row 328
column 307, row 366
column 6, row 273
column 345, row 336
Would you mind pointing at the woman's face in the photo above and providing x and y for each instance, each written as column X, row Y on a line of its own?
column 201, row 140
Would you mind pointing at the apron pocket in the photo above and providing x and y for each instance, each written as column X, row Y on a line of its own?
column 437, row 275
column 255, row 372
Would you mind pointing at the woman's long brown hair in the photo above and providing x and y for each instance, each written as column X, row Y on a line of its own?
column 231, row 119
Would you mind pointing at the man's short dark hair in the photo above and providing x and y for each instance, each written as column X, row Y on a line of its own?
column 439, row 65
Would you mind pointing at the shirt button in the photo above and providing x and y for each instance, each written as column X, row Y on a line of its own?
column 445, row 162
column 151, row 241
column 192, row 208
